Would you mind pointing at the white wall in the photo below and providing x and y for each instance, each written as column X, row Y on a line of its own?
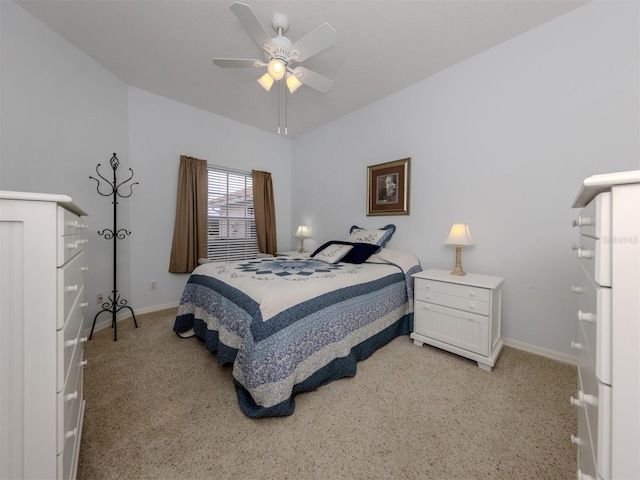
column 501, row 142
column 62, row 114
column 160, row 130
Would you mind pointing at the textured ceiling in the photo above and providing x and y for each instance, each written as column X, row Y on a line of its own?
column 166, row 47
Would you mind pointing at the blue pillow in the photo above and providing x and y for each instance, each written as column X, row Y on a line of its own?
column 378, row 237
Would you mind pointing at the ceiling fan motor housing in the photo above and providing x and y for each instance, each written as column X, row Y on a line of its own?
column 280, row 50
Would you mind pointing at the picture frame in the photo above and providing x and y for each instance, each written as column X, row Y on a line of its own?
column 388, row 188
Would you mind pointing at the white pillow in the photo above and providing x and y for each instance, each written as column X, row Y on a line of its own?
column 373, row 236
column 332, row 253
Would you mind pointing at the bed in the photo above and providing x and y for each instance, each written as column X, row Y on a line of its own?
column 290, row 324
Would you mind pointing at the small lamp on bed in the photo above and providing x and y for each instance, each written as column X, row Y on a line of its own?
column 302, row 233
column 458, row 236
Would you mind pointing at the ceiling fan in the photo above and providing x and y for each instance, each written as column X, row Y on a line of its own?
column 280, row 53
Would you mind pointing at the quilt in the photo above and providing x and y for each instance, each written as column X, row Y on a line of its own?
column 291, row 324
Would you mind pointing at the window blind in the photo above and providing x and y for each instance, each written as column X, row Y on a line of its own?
column 231, row 226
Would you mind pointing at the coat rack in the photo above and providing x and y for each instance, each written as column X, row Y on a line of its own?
column 114, row 303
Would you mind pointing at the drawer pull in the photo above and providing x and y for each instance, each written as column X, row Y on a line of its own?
column 582, row 221
column 84, row 304
column 575, row 402
column 72, row 246
column 472, row 306
column 84, row 269
column 575, row 289
column 84, row 363
column 576, row 440
column 82, row 339
column 585, row 253
column 71, row 396
column 587, row 398
column 71, row 288
column 586, row 317
column 71, row 433
column 577, row 346
column 472, row 294
column 575, row 246
column 71, row 343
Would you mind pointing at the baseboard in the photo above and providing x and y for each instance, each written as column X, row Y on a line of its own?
column 125, row 314
column 543, row 352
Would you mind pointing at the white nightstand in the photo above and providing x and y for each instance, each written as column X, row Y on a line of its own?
column 460, row 314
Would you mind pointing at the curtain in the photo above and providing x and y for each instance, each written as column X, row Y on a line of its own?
column 264, row 211
column 190, row 230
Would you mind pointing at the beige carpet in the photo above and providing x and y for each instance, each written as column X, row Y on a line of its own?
column 160, row 407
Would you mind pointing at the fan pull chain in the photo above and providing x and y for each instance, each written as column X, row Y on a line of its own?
column 279, row 103
column 286, row 107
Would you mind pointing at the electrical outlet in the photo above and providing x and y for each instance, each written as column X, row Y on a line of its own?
column 154, row 285
column 99, row 298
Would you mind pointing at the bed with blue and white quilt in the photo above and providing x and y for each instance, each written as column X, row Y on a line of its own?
column 290, row 324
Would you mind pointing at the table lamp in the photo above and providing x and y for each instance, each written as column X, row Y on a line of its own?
column 302, row 233
column 458, row 236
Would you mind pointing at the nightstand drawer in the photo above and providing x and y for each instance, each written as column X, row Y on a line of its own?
column 460, row 303
column 463, row 291
column 454, row 327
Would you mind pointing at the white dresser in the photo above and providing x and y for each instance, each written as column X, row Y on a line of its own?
column 608, row 333
column 42, row 266
column 460, row 314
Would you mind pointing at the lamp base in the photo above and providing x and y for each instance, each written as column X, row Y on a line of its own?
column 457, row 270
column 302, row 250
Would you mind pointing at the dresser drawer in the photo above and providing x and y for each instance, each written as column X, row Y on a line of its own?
column 69, row 247
column 454, row 327
column 70, row 399
column 68, row 339
column 463, row 291
column 594, row 220
column 70, row 281
column 69, row 223
column 594, row 314
column 595, row 256
column 595, row 398
column 586, row 451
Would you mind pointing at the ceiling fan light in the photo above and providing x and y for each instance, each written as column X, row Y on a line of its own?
column 266, row 81
column 293, row 83
column 276, row 69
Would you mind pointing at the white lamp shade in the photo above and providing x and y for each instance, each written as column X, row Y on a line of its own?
column 276, row 69
column 266, row 81
column 302, row 232
column 459, row 235
column 293, row 83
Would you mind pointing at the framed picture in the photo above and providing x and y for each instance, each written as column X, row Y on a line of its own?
column 388, row 188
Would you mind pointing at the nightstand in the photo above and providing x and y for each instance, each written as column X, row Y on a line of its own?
column 460, row 314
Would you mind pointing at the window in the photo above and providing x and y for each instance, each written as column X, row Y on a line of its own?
column 231, row 226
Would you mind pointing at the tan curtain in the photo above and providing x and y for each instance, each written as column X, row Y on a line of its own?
column 190, row 230
column 265, row 211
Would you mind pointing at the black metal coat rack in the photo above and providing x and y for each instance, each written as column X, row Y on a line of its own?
column 114, row 303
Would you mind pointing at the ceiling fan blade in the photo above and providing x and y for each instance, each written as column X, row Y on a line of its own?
column 251, row 23
column 314, row 80
column 316, row 41
column 237, row 62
